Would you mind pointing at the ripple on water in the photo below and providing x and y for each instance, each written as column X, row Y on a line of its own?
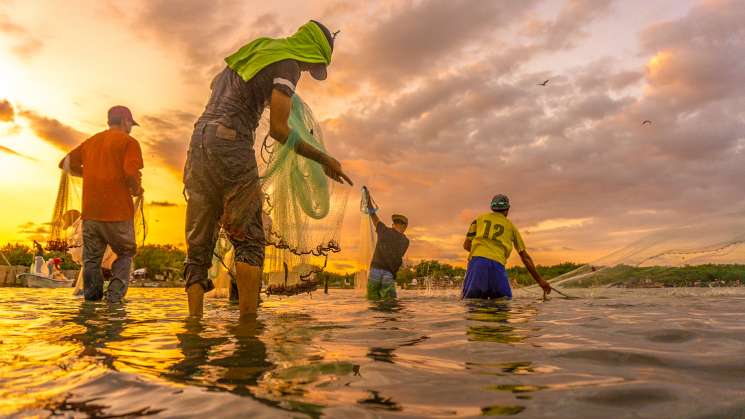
column 338, row 355
column 670, row 336
column 612, row 357
column 630, row 396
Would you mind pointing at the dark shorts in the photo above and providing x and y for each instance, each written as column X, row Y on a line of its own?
column 486, row 278
column 223, row 190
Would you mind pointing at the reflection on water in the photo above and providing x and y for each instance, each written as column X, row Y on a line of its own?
column 101, row 326
column 232, row 360
column 376, row 401
column 612, row 354
column 492, row 321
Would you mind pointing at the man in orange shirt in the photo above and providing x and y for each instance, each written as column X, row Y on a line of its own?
column 110, row 164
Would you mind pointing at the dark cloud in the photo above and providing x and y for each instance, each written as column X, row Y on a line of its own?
column 7, row 113
column 697, row 59
column 167, row 136
column 401, row 45
column 53, row 131
column 564, row 31
column 162, row 204
column 12, row 152
column 25, row 43
column 204, row 33
column 572, row 151
column 34, row 231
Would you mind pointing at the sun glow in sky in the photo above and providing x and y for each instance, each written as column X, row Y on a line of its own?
column 434, row 121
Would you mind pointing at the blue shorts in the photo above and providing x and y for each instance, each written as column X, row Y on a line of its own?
column 486, row 278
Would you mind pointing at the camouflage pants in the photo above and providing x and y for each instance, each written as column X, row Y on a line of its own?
column 222, row 188
column 380, row 285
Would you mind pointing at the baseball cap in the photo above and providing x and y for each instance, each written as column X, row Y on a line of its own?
column 500, row 202
column 121, row 113
column 400, row 219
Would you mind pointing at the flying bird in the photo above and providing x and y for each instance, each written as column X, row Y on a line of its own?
column 542, row 84
column 646, row 122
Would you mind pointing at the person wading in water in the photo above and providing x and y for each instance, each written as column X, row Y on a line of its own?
column 489, row 241
column 221, row 177
column 110, row 163
column 390, row 249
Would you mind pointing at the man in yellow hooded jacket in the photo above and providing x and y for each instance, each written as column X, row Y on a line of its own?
column 221, row 177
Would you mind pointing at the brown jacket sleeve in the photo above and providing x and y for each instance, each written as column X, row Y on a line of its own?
column 132, row 166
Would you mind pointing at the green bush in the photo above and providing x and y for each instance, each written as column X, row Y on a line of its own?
column 159, row 259
column 22, row 255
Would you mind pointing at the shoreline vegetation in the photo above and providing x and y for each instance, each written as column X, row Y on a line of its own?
column 164, row 265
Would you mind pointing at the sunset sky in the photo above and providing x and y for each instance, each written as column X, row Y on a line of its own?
column 432, row 104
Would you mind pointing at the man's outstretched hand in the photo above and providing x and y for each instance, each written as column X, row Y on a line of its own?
column 545, row 285
column 136, row 191
column 332, row 168
column 370, row 204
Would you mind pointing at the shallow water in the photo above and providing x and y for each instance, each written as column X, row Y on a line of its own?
column 614, row 353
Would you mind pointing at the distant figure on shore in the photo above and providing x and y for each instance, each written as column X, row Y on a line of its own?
column 38, row 257
column 489, row 241
column 221, row 176
column 390, row 249
column 110, row 164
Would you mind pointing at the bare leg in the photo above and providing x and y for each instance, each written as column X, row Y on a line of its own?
column 195, row 295
column 249, row 285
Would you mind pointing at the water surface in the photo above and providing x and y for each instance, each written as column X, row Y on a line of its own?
column 613, row 353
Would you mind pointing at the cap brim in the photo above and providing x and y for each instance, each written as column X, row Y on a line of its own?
column 319, row 72
column 135, row 123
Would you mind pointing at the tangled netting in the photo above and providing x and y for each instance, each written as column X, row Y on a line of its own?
column 303, row 211
column 367, row 240
column 713, row 245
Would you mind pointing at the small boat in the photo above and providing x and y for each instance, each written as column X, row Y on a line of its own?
column 31, row 280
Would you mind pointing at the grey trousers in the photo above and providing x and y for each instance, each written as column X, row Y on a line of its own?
column 120, row 235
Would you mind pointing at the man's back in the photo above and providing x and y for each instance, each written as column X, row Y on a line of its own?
column 389, row 249
column 493, row 237
column 111, row 161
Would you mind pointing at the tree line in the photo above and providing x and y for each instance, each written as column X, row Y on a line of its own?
column 159, row 259
column 168, row 261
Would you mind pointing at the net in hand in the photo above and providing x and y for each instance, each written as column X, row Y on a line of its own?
column 367, row 240
column 303, row 208
column 66, row 232
column 67, row 212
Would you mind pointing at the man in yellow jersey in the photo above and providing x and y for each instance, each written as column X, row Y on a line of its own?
column 489, row 241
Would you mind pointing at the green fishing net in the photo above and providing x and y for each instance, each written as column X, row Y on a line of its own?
column 706, row 250
column 303, row 210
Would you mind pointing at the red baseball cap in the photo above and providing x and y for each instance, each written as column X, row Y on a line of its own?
column 119, row 112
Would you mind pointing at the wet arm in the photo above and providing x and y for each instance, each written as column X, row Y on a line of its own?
column 470, row 234
column 132, row 166
column 279, row 113
column 530, row 266
column 375, row 219
column 372, row 211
